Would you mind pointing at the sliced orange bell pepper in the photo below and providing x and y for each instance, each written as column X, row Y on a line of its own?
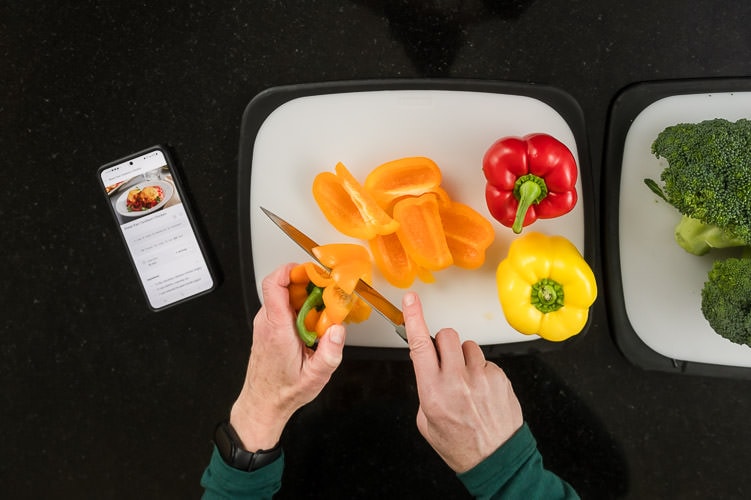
column 298, row 292
column 333, row 254
column 321, row 297
column 360, row 311
column 468, row 234
column 348, row 206
column 421, row 231
column 318, row 275
column 393, row 261
column 348, row 262
column 410, row 176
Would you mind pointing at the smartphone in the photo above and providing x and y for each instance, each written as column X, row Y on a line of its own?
column 150, row 207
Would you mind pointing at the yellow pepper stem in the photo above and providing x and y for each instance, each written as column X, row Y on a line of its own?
column 547, row 295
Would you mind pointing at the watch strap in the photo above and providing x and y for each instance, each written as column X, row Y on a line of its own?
column 235, row 455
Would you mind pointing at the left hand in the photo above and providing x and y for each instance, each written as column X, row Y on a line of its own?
column 283, row 374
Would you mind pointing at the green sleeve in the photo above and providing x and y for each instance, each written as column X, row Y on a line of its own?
column 220, row 481
column 515, row 470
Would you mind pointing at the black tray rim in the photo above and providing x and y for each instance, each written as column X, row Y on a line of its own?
column 265, row 102
column 628, row 103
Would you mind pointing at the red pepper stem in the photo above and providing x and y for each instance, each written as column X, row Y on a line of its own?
column 529, row 192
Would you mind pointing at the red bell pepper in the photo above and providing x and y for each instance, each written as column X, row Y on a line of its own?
column 528, row 178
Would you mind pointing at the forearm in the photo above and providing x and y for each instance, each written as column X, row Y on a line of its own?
column 515, row 470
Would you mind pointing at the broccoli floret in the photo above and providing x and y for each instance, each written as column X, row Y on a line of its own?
column 726, row 299
column 698, row 238
column 708, row 177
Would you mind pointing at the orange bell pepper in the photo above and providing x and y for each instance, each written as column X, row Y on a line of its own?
column 410, row 176
column 321, row 297
column 427, row 231
column 348, row 206
column 392, row 260
column 348, row 262
column 468, row 234
column 421, row 231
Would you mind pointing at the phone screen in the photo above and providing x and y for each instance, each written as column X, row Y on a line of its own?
column 147, row 202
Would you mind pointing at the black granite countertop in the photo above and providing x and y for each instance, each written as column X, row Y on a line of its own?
column 102, row 398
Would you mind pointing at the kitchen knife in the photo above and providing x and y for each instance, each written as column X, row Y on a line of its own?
column 365, row 291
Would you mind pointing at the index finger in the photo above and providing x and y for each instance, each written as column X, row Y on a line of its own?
column 275, row 292
column 421, row 348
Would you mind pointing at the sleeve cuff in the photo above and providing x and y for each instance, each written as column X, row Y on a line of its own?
column 222, row 481
column 497, row 469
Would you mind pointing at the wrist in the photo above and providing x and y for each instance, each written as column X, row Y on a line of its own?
column 235, row 455
column 256, row 428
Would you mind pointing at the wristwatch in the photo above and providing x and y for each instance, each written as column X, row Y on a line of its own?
column 232, row 452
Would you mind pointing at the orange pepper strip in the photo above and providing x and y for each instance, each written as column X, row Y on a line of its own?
column 348, row 263
column 370, row 211
column 334, row 254
column 392, row 260
column 318, row 275
column 323, row 323
column 360, row 311
column 347, row 274
column 299, row 275
column 311, row 320
column 411, row 176
column 425, row 276
column 421, row 231
column 468, row 234
column 297, row 295
column 338, row 303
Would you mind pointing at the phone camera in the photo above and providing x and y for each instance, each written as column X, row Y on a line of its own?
column 131, row 163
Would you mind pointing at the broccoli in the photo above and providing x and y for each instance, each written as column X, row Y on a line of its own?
column 698, row 238
column 726, row 299
column 708, row 178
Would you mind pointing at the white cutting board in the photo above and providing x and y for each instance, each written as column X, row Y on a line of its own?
column 308, row 135
column 661, row 282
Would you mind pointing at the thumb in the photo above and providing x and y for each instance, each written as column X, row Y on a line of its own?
column 328, row 353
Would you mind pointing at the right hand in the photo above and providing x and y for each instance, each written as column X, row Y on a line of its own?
column 468, row 408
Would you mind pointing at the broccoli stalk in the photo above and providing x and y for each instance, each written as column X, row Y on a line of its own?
column 698, row 238
column 708, row 179
column 726, row 299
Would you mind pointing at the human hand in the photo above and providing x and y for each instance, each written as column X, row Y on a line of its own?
column 468, row 408
column 283, row 374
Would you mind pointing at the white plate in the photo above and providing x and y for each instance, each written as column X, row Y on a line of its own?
column 122, row 208
column 661, row 282
column 310, row 134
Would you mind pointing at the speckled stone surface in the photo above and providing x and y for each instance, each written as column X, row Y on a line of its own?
column 102, row 398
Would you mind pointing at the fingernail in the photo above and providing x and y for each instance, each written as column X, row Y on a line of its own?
column 336, row 334
column 409, row 299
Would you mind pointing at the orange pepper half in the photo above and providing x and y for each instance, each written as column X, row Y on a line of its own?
column 411, row 176
column 468, row 234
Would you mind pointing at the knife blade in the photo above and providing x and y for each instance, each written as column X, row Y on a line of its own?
column 369, row 294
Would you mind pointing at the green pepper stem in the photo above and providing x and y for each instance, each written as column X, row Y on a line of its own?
column 528, row 189
column 314, row 300
column 547, row 295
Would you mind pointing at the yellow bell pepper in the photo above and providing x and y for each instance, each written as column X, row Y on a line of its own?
column 545, row 287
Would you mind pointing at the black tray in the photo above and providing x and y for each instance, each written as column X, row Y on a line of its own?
column 625, row 109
